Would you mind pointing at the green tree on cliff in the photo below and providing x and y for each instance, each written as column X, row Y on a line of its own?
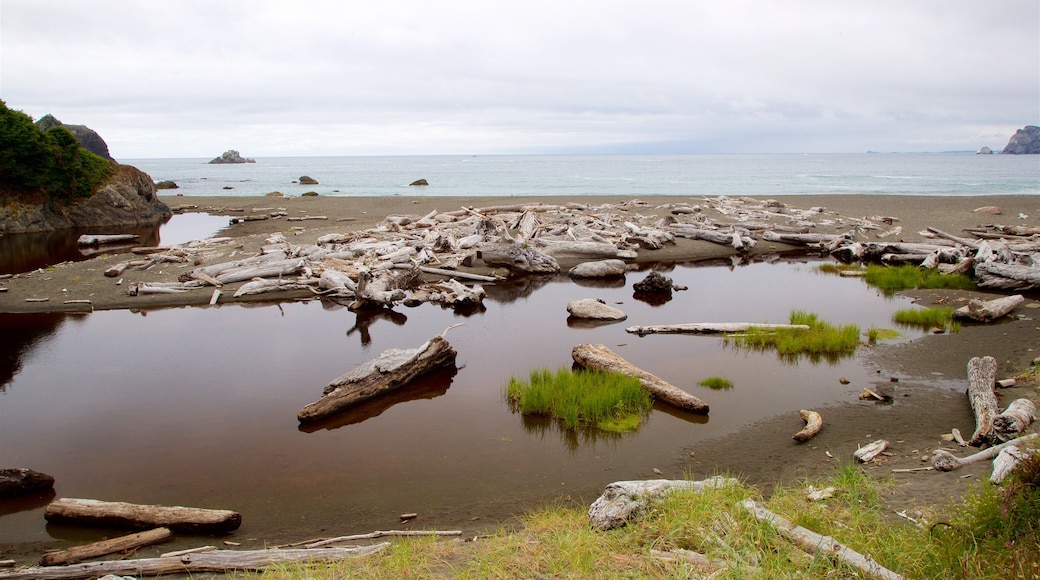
column 51, row 162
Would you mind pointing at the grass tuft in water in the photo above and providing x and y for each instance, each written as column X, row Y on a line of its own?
column 717, row 383
column 892, row 279
column 875, row 334
column 822, row 339
column 925, row 318
column 608, row 401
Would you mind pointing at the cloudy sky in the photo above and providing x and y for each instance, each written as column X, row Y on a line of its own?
column 349, row 77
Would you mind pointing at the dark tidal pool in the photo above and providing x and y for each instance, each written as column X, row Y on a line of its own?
column 197, row 406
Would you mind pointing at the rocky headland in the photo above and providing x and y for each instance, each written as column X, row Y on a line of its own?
column 1025, row 141
column 127, row 199
column 87, row 137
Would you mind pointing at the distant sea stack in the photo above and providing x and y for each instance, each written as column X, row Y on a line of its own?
column 86, row 136
column 232, row 156
column 1025, row 141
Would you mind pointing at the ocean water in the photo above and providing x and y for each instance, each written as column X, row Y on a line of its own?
column 635, row 175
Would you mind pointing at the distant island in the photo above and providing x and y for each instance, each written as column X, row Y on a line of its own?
column 232, row 156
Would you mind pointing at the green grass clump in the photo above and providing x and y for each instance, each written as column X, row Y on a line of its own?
column 608, row 401
column 875, row 334
column 821, row 340
column 717, row 383
column 892, row 279
column 925, row 318
column 834, row 268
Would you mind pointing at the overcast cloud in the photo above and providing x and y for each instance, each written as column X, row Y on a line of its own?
column 194, row 78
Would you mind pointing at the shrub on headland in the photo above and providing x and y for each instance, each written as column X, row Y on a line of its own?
column 51, row 162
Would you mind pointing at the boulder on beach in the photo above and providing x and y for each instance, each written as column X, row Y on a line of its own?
column 598, row 269
column 21, row 481
column 231, row 156
column 654, row 283
column 593, row 309
column 308, row 180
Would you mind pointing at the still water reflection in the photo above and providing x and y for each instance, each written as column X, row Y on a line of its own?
column 197, row 406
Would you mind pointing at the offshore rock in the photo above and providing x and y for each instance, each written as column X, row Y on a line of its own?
column 128, row 199
column 87, row 137
column 231, row 156
column 308, row 180
column 1025, row 141
column 984, row 151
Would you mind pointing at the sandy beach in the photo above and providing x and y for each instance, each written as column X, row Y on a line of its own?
column 914, row 426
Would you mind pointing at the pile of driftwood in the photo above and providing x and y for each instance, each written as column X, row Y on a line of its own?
column 389, row 263
column 159, row 524
column 1001, row 434
column 1008, row 262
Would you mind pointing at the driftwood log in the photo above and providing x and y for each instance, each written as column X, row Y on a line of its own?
column 92, row 512
column 19, row 481
column 391, row 370
column 1006, row 461
column 982, row 374
column 105, row 547
column 709, row 328
column 102, row 239
column 624, row 501
column 814, row 543
column 813, row 424
column 868, row 452
column 1007, row 276
column 217, row 561
column 599, row 357
column 943, row 460
column 989, row 310
column 1014, row 420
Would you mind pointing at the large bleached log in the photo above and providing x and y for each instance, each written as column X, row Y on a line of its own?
column 583, row 250
column 599, row 357
column 522, row 258
column 814, row 543
column 982, row 375
column 105, row 547
column 1014, row 420
column 813, row 424
column 273, row 269
column 20, row 481
column 261, row 286
column 375, row 290
column 92, row 512
column 450, row 292
column 624, row 501
column 1007, row 276
column 1006, row 461
column 804, row 239
column 216, row 561
column 989, row 310
column 215, row 270
column 709, row 328
column 732, row 238
column 943, row 460
column 393, row 369
column 101, row 239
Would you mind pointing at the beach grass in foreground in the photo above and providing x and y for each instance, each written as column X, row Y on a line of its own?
column 991, row 533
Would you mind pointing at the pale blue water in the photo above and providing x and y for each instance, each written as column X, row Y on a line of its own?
column 635, row 175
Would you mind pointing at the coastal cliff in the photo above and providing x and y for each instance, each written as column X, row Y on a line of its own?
column 1025, row 141
column 126, row 199
column 87, row 137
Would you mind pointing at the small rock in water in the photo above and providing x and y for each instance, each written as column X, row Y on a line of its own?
column 408, row 516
